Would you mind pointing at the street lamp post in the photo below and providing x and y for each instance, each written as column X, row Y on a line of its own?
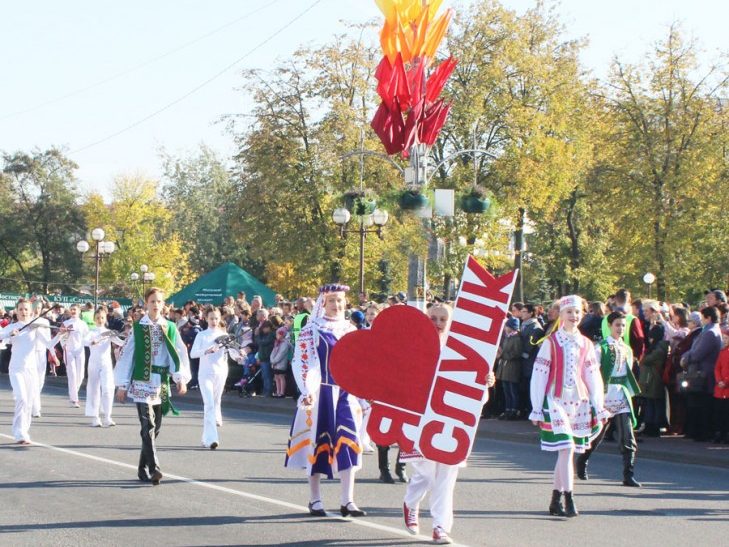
column 146, row 277
column 377, row 218
column 649, row 279
column 103, row 250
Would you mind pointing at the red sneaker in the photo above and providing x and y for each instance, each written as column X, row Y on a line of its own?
column 411, row 519
column 440, row 536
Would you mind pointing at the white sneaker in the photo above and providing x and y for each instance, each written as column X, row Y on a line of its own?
column 369, row 449
column 95, row 422
column 440, row 536
column 37, row 415
column 108, row 423
column 411, row 519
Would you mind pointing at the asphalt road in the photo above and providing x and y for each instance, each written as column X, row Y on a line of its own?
column 77, row 486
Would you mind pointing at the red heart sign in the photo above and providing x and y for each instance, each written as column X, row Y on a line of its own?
column 394, row 363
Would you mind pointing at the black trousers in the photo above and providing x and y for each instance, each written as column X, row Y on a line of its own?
column 150, row 420
column 721, row 418
column 698, row 419
column 623, row 431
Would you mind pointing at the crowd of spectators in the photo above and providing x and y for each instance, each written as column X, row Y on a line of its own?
column 681, row 352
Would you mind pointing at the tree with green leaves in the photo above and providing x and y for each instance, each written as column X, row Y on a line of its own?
column 42, row 220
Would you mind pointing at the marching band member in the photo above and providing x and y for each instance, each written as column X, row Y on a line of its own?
column 23, row 372
column 74, row 332
column 212, row 375
column 428, row 476
column 567, row 399
column 153, row 352
column 325, row 434
column 100, row 383
column 41, row 355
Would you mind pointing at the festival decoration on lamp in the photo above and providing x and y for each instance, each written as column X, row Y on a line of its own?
column 411, row 111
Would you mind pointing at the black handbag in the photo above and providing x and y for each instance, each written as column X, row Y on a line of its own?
column 692, row 380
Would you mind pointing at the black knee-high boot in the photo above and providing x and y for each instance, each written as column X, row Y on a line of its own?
column 628, row 466
column 570, row 509
column 384, row 464
column 555, row 506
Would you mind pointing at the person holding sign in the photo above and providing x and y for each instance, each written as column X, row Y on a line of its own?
column 567, row 400
column 429, row 476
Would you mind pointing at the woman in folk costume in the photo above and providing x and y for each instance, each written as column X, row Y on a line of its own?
column 438, row 479
column 567, row 399
column 153, row 353
column 616, row 360
column 100, row 384
column 325, row 435
column 212, row 374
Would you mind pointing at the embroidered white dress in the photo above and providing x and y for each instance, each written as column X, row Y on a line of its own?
column 569, row 413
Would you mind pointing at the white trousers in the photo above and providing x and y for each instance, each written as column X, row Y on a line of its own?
column 74, row 372
column 24, row 384
column 100, row 390
column 438, row 479
column 212, row 384
column 41, row 379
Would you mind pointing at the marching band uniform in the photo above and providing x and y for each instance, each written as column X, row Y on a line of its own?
column 616, row 361
column 211, row 379
column 73, row 355
column 41, row 359
column 23, row 373
column 325, row 436
column 153, row 352
column 567, row 400
column 100, row 383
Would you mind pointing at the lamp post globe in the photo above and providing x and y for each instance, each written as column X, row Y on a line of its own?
column 649, row 278
column 341, row 216
column 134, row 276
column 380, row 217
column 108, row 247
column 82, row 246
column 144, row 268
column 97, row 234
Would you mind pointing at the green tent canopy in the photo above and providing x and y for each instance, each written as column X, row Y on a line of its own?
column 226, row 280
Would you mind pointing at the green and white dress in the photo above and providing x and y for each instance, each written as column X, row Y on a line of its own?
column 567, row 392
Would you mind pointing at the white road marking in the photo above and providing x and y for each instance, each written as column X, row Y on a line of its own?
column 239, row 493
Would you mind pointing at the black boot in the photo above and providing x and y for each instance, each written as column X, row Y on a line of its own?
column 400, row 471
column 384, row 464
column 570, row 509
column 581, row 465
column 628, row 466
column 555, row 507
column 142, row 470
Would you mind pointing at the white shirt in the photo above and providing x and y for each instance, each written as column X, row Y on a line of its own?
column 75, row 338
column 27, row 343
column 100, row 346
column 149, row 392
column 615, row 400
column 216, row 361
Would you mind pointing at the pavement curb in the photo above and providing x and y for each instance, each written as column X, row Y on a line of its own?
column 700, row 454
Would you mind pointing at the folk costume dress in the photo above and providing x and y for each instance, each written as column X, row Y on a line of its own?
column 154, row 351
column 325, row 437
column 23, row 372
column 567, row 392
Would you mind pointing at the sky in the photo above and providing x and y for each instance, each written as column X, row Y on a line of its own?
column 85, row 75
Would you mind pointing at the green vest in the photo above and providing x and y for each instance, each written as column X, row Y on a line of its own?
column 88, row 318
column 627, row 383
column 143, row 368
column 299, row 320
column 629, row 317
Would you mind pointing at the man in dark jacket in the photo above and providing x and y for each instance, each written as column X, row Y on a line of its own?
column 531, row 333
column 699, row 362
